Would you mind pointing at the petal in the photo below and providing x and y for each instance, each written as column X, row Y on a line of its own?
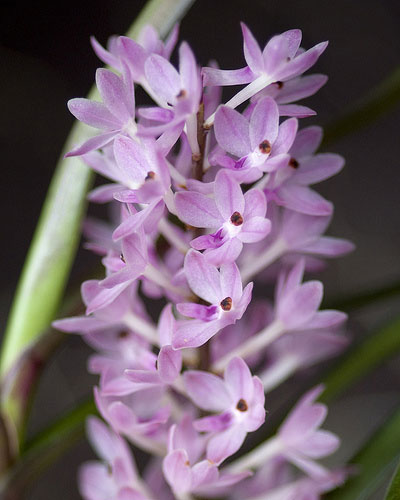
column 302, row 62
column 114, row 94
column 255, row 229
column 214, row 423
column 106, row 297
column 295, row 110
column 328, row 247
column 197, row 210
column 207, row 391
column 275, row 53
column 203, row 278
column 96, row 142
column 79, row 324
column 299, row 88
column 264, row 122
column 307, row 142
column 188, row 70
column 177, row 472
column 318, row 168
column 131, row 160
column 162, row 77
column 231, row 282
column 232, row 131
column 221, row 77
column 228, row 252
column 239, row 380
column 286, row 136
column 134, row 55
column 228, row 195
column 255, row 204
column 327, row 319
column 195, row 333
column 293, row 38
column 225, row 444
column 252, row 51
column 320, row 444
column 169, row 364
column 305, row 200
column 93, row 113
column 298, row 307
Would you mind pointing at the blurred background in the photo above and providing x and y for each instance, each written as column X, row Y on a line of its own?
column 46, row 59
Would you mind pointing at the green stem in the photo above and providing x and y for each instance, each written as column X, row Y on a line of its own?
column 378, row 101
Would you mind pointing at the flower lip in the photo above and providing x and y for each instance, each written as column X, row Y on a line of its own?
column 226, row 304
column 265, row 147
column 242, row 405
column 237, row 219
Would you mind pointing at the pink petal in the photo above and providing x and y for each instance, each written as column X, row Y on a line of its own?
column 216, row 76
column 207, row 391
column 197, row 210
column 305, row 200
column 96, row 142
column 93, row 113
column 329, row 247
column 162, row 77
column 239, row 380
column 232, row 131
column 275, row 53
column 255, row 204
column 231, row 282
column 264, row 122
column 302, row 62
column 225, row 444
column 255, row 229
column 228, row 195
column 307, row 142
column 177, row 471
column 194, row 333
column 114, row 94
column 320, row 444
column 286, row 136
column 203, row 278
column 299, row 306
column 169, row 363
column 252, row 51
column 318, row 168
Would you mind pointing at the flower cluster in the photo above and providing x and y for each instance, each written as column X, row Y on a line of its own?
column 206, row 199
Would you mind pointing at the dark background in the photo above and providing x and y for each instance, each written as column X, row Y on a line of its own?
column 46, row 59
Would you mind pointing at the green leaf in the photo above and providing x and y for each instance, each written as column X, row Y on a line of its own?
column 362, row 359
column 378, row 101
column 393, row 492
column 375, row 461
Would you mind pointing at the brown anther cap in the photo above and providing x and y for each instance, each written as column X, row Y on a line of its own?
column 121, row 256
column 150, row 175
column 242, row 405
column 226, row 304
column 293, row 163
column 181, row 94
column 236, row 219
column 265, row 147
column 279, row 84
